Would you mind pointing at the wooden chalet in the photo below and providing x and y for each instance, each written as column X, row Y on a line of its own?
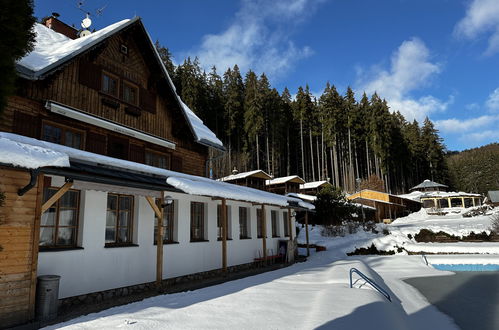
column 95, row 134
column 285, row 185
column 254, row 179
column 387, row 206
column 313, row 188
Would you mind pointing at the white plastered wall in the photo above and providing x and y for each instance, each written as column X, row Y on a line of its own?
column 97, row 268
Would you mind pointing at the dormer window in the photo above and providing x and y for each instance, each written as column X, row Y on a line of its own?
column 110, row 84
column 130, row 93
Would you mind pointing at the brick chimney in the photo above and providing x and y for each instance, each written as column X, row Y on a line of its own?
column 52, row 22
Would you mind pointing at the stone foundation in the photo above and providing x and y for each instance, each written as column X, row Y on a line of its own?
column 167, row 286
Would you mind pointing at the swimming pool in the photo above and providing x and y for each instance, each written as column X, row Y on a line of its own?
column 467, row 267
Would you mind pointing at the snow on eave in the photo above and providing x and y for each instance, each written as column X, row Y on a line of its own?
column 189, row 184
column 447, row 194
column 244, row 175
column 74, row 47
column 285, row 179
column 305, row 197
column 200, row 131
column 27, row 156
column 313, row 185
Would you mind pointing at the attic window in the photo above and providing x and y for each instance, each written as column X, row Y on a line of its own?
column 124, row 49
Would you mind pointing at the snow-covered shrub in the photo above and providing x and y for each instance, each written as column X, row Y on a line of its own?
column 479, row 210
column 494, row 225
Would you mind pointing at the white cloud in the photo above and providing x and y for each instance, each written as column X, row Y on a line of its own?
column 454, row 125
column 259, row 38
column 492, row 102
column 487, row 136
column 411, row 69
column 482, row 17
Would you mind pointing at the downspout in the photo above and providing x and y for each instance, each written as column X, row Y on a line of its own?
column 32, row 182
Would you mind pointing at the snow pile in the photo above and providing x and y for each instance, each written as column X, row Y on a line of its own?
column 29, row 156
column 305, row 197
column 415, row 196
column 51, row 46
column 202, row 132
column 400, row 229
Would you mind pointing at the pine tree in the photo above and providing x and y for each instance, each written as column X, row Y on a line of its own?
column 166, row 57
column 16, row 40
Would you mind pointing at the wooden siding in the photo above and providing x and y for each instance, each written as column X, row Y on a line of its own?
column 19, row 234
column 77, row 84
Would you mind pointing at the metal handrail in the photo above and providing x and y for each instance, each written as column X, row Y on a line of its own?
column 424, row 257
column 368, row 280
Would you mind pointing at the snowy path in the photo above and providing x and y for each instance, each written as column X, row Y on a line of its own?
column 309, row 295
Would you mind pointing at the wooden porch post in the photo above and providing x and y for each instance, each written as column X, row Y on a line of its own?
column 224, row 234
column 289, row 225
column 159, row 238
column 264, row 233
column 306, row 233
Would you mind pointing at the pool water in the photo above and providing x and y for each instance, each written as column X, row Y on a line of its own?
column 467, row 267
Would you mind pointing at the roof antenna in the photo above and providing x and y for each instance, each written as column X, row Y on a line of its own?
column 87, row 22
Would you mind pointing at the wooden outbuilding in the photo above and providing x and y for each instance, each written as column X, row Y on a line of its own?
column 254, row 179
column 313, row 188
column 387, row 206
column 285, row 185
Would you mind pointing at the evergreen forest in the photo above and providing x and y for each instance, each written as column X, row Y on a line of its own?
column 334, row 137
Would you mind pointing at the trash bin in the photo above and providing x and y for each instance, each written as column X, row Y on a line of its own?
column 47, row 297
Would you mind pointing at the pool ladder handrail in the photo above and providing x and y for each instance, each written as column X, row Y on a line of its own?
column 424, row 258
column 370, row 281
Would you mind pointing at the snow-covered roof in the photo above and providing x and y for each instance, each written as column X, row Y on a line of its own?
column 201, row 132
column 313, row 185
column 189, row 184
column 284, row 179
column 445, row 194
column 415, row 196
column 305, row 197
column 53, row 49
column 428, row 184
column 493, row 196
column 262, row 174
column 29, row 156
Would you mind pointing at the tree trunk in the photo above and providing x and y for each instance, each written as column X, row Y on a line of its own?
column 319, row 172
column 268, row 153
column 288, row 156
column 302, row 153
column 312, row 155
column 257, row 153
column 336, row 170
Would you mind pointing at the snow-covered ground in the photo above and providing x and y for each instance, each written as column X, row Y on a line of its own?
column 452, row 223
column 309, row 295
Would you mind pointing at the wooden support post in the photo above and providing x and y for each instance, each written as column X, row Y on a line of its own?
column 306, row 233
column 56, row 196
column 289, row 225
column 158, row 212
column 35, row 243
column 224, row 234
column 264, row 234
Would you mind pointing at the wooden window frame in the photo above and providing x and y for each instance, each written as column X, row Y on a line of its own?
column 133, row 86
column 167, row 156
column 259, row 223
column 63, row 128
column 130, row 225
column 201, row 220
column 245, row 225
column 113, row 76
column 219, row 224
column 274, row 215
column 285, row 223
column 169, row 219
column 56, row 225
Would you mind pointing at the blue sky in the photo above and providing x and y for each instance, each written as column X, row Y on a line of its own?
column 436, row 58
